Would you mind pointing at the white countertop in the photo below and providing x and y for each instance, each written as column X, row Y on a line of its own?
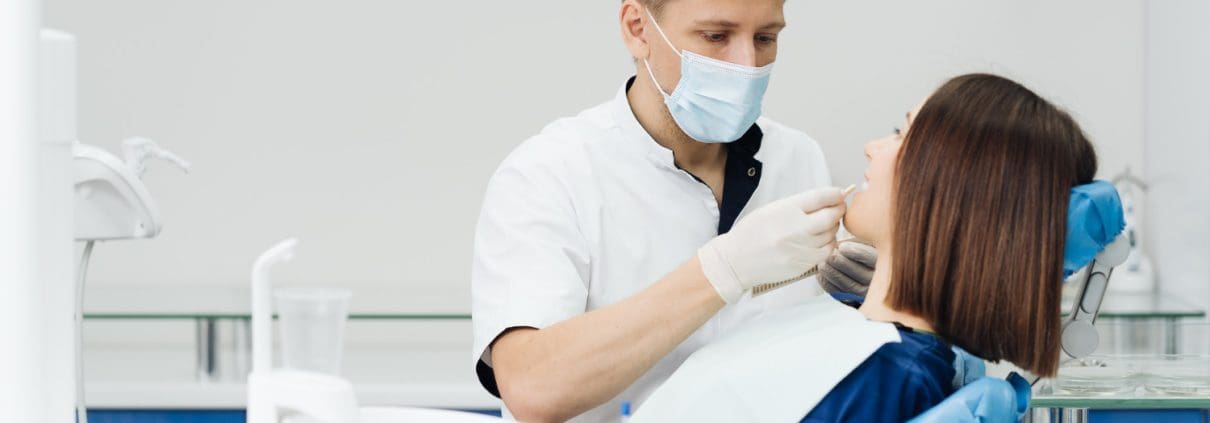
column 143, row 364
column 227, row 396
column 401, row 298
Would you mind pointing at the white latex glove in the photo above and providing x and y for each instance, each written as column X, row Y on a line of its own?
column 779, row 241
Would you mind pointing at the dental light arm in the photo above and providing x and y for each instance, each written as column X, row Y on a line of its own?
column 1079, row 336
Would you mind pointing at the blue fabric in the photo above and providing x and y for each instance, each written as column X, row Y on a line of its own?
column 1094, row 219
column 917, row 379
column 988, row 400
column 899, row 381
column 967, row 367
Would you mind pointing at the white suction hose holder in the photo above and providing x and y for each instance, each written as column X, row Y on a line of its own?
column 277, row 393
column 1095, row 236
column 292, row 395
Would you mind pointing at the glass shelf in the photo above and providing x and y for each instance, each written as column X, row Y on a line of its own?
column 223, row 313
column 1120, row 403
column 1143, row 306
column 245, row 316
column 1045, row 397
column 404, row 302
column 421, row 303
column 1140, row 364
column 222, row 322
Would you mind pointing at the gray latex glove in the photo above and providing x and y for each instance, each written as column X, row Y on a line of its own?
column 848, row 269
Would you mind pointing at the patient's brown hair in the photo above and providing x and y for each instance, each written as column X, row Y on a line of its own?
column 980, row 217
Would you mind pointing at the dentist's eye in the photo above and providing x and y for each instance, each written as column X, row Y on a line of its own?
column 898, row 132
column 714, row 37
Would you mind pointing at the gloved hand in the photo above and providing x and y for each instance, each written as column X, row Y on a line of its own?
column 779, row 241
column 988, row 400
column 848, row 269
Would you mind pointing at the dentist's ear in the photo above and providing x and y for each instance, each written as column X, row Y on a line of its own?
column 633, row 19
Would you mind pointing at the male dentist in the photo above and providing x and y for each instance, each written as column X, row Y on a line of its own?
column 610, row 246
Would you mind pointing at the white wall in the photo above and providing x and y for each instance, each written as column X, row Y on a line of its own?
column 369, row 129
column 852, row 69
column 1178, row 145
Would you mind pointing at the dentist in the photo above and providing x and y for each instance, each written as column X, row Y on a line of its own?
column 611, row 246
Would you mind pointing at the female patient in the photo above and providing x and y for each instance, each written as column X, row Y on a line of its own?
column 967, row 207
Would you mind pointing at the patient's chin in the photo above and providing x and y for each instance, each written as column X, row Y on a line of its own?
column 860, row 228
column 854, row 226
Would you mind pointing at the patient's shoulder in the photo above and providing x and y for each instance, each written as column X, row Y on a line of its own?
column 920, row 355
column 898, row 382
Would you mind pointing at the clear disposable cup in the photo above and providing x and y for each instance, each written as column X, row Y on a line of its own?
column 312, row 325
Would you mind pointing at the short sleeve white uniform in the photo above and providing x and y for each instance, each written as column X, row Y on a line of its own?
column 592, row 210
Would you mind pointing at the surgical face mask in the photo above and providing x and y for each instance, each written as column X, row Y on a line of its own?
column 715, row 101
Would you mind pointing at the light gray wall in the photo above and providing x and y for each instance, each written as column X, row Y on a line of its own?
column 369, row 129
column 1178, row 145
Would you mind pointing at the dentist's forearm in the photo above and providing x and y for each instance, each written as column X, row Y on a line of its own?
column 561, row 371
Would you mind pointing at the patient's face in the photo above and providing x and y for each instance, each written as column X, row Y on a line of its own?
column 869, row 216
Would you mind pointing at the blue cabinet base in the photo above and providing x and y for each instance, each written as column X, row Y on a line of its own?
column 1132, row 416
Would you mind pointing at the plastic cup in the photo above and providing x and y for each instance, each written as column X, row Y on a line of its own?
column 312, row 326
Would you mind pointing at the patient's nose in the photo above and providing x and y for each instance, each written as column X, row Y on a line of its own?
column 873, row 147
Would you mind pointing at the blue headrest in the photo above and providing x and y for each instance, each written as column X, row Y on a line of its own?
column 1094, row 219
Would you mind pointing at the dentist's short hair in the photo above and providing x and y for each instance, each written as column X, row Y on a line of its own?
column 979, row 218
column 656, row 6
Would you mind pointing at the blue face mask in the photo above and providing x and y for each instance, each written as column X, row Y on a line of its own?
column 715, row 101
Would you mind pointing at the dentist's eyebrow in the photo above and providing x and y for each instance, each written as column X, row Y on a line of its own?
column 773, row 26
column 717, row 23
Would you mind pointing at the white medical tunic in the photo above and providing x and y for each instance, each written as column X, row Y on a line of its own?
column 592, row 210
